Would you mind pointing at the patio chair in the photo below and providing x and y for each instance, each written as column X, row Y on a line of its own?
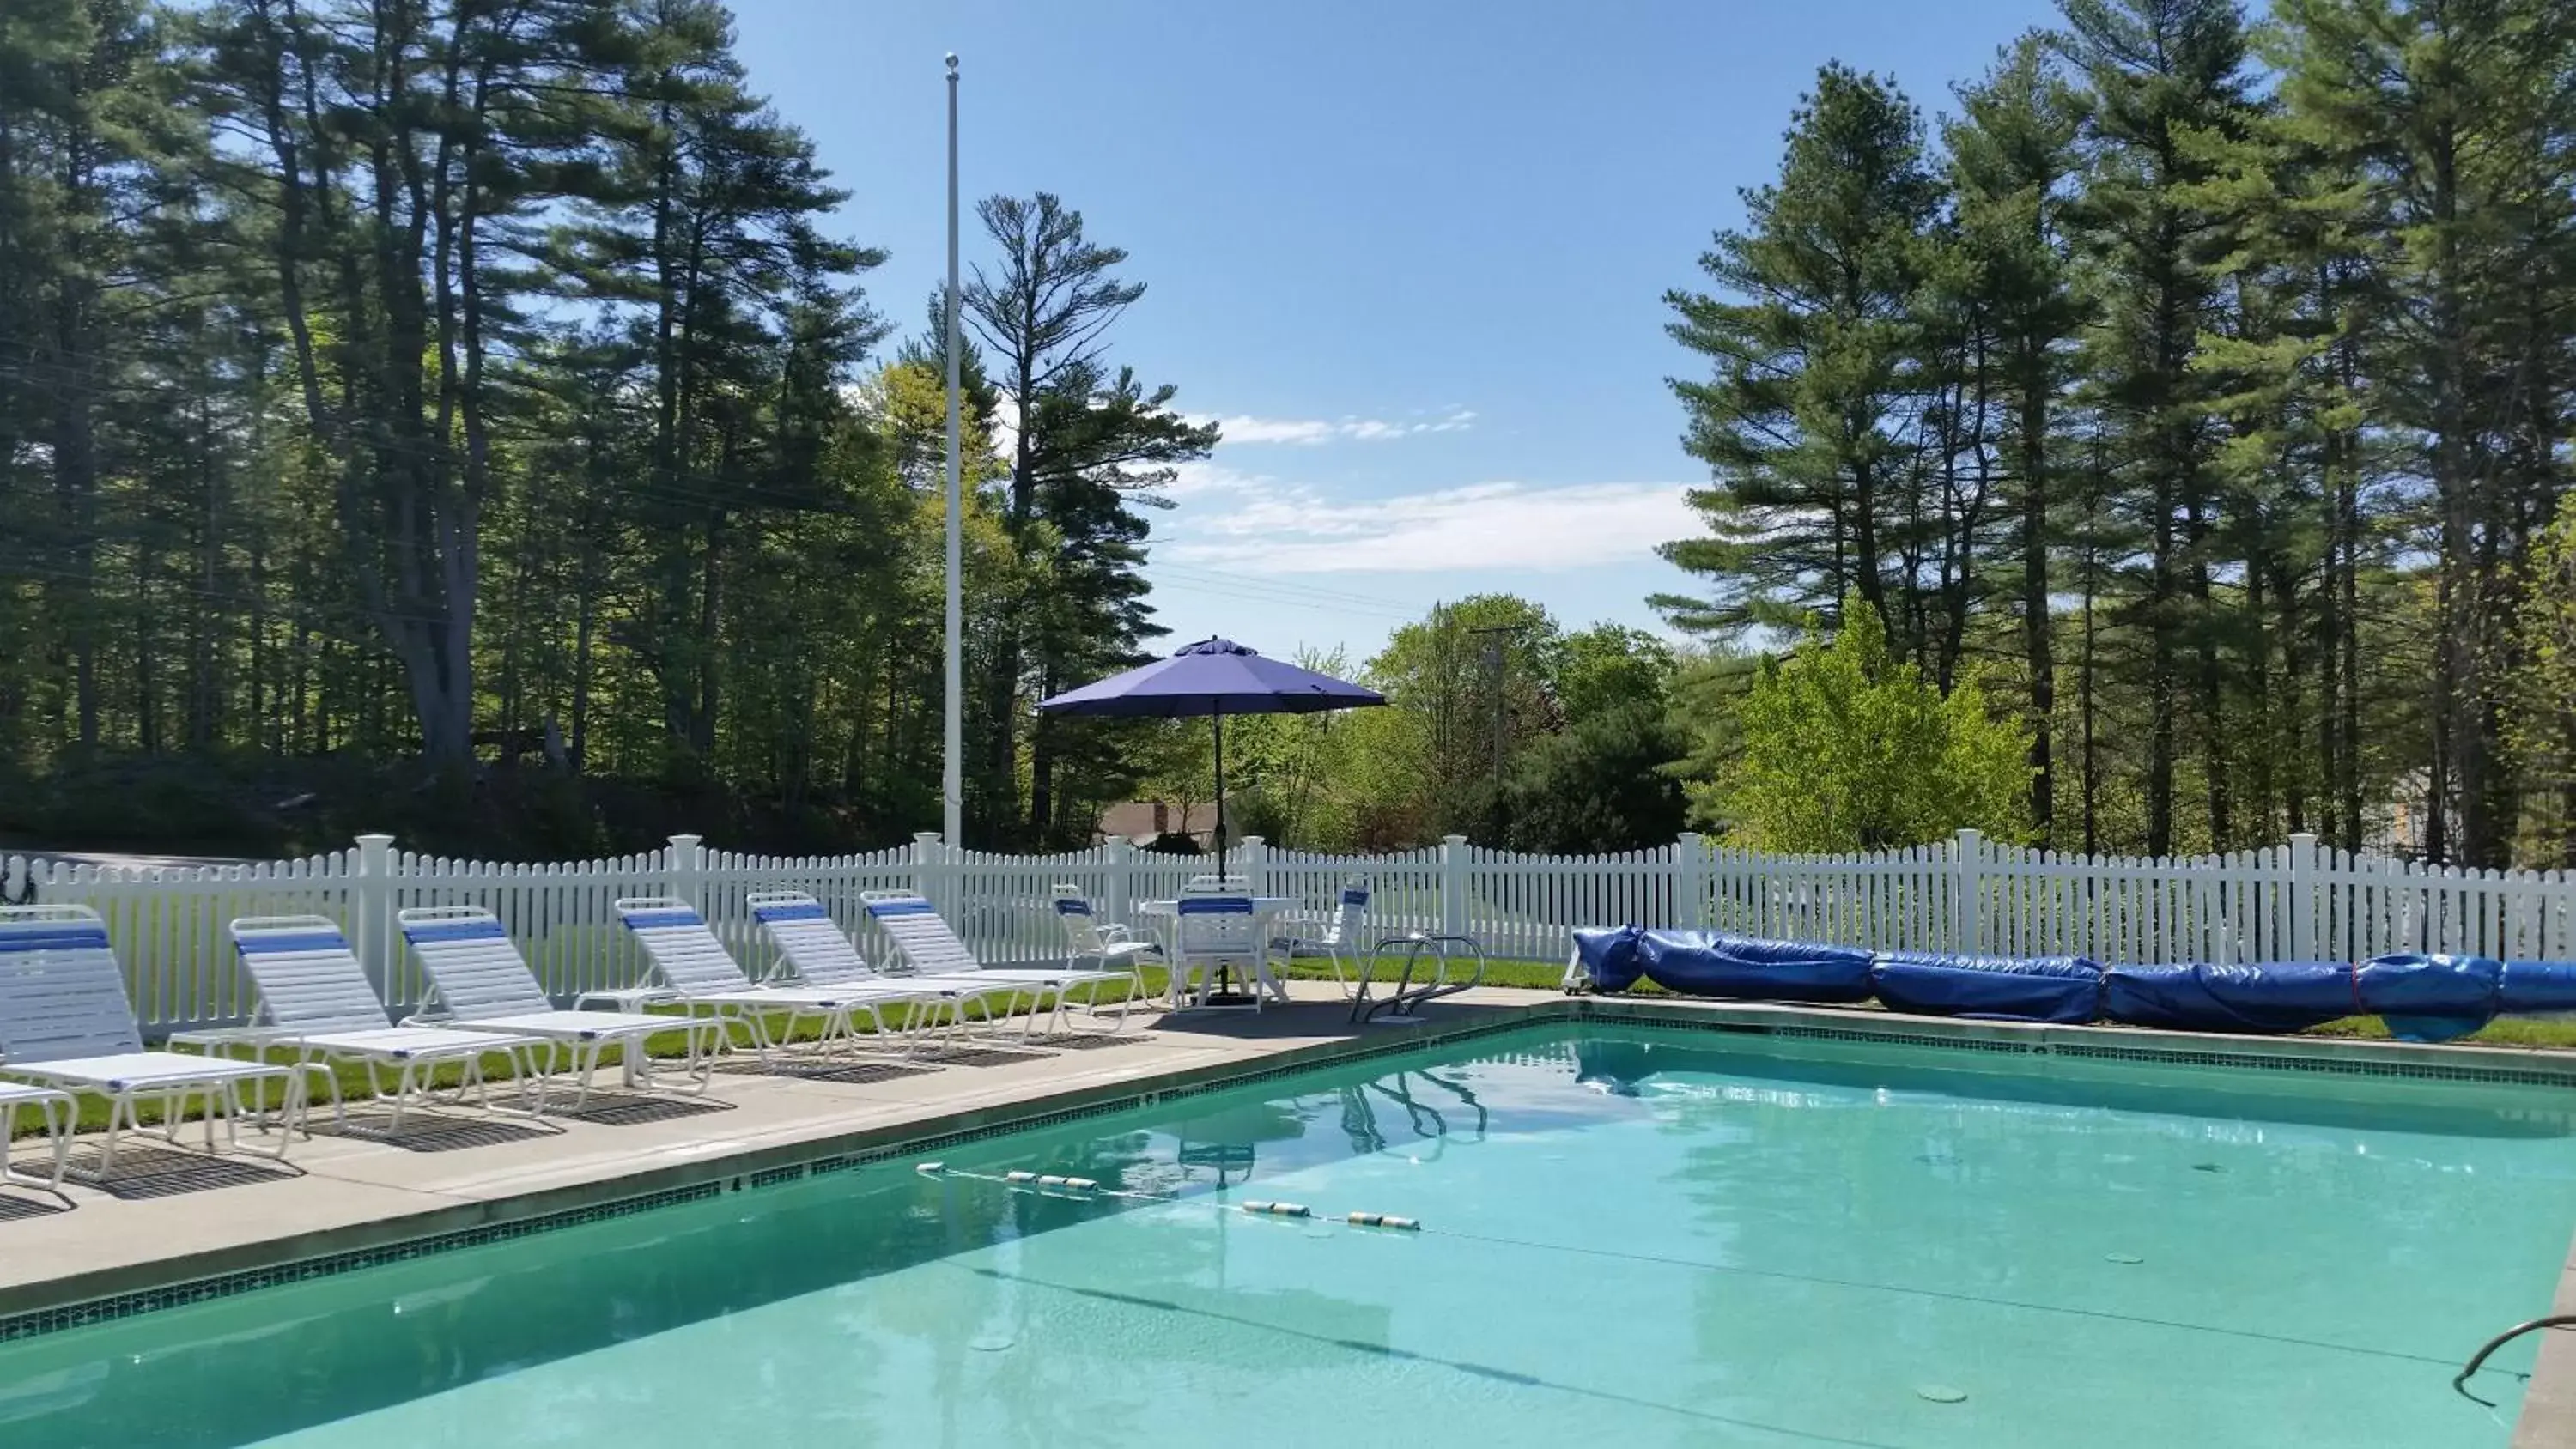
column 315, row 999
column 815, row 951
column 59, row 1114
column 934, row 952
column 699, row 972
column 1216, row 928
column 1335, row 936
column 1093, row 939
column 480, row 982
column 66, row 1023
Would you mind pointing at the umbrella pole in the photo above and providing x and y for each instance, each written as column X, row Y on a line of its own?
column 1218, row 717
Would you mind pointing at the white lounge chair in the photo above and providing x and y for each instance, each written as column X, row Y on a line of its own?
column 933, row 951
column 1093, row 939
column 698, row 972
column 1336, row 936
column 315, row 999
column 66, row 1023
column 58, row 1112
column 480, row 982
column 814, row 949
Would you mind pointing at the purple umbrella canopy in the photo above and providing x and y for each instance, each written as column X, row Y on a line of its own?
column 1212, row 677
column 1215, row 678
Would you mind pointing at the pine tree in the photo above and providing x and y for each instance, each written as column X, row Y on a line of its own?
column 2160, row 72
column 2011, row 154
column 1813, row 342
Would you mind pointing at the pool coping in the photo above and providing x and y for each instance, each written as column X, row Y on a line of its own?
column 2547, row 1420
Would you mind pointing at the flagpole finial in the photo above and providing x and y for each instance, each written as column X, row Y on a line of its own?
column 952, row 62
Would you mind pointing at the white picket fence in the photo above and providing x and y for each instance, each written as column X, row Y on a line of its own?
column 2291, row 902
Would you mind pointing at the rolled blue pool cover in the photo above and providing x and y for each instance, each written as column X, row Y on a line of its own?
column 1608, row 956
column 2430, row 997
column 2267, row 996
column 1749, row 968
column 1998, row 988
column 2535, row 987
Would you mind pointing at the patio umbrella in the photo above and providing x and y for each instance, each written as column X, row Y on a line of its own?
column 1215, row 678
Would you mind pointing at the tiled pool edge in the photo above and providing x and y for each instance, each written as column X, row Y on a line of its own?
column 53, row 1305
column 2548, row 1419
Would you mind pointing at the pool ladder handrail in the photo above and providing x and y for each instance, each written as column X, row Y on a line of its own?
column 2478, row 1360
column 1398, row 1005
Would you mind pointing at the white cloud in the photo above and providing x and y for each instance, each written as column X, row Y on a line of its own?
column 1251, row 524
column 1307, row 431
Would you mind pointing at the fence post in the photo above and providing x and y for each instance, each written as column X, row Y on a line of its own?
column 1118, row 894
column 371, row 907
column 930, row 873
column 1254, row 859
column 1690, row 881
column 2299, row 896
column 1453, row 885
column 1967, row 893
column 682, row 865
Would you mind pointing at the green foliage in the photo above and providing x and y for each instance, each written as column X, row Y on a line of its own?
column 2226, row 398
column 1605, row 783
column 1845, row 747
column 2541, row 705
column 496, row 396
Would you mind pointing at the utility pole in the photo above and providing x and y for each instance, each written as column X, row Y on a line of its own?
column 1495, row 636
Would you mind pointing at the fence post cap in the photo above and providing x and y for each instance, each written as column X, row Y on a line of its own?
column 1453, row 840
column 927, row 837
column 685, row 841
column 375, row 841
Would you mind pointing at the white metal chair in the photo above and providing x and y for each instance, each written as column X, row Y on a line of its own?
column 698, row 972
column 1093, row 939
column 315, row 999
column 480, row 982
column 934, row 953
column 816, row 952
column 1337, row 935
column 66, row 1023
column 1216, row 928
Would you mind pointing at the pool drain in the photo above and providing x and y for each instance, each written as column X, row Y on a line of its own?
column 992, row 1343
column 1941, row 1394
column 2124, row 1257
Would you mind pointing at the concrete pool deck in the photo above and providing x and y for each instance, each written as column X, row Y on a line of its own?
column 356, row 1199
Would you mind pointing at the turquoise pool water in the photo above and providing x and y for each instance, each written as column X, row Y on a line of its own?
column 1632, row 1238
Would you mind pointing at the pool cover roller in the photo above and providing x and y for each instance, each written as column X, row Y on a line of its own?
column 2422, row 997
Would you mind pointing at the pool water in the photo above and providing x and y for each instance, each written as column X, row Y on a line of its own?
column 1635, row 1237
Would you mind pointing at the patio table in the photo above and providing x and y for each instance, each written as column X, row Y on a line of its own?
column 1166, row 916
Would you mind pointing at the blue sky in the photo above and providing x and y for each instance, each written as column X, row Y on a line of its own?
column 1413, row 253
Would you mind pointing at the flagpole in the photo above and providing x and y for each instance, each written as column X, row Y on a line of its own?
column 952, row 792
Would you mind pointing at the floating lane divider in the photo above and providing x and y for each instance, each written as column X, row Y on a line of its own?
column 1057, row 1185
column 1279, row 1209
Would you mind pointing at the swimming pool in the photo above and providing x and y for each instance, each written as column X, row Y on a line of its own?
column 1631, row 1236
